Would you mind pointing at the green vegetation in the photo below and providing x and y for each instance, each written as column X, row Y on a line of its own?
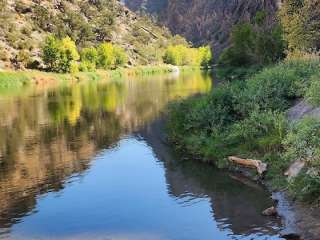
column 136, row 40
column 247, row 118
column 253, row 45
column 18, row 79
column 182, row 55
column 62, row 56
column 13, row 79
column 300, row 20
column 110, row 56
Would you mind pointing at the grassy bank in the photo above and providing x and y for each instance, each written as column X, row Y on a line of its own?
column 248, row 119
column 18, row 79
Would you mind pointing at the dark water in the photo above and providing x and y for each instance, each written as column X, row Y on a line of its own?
column 88, row 162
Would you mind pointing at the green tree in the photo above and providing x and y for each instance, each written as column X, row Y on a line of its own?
column 106, row 57
column 255, row 43
column 89, row 58
column 181, row 55
column 60, row 55
column 68, row 55
column 205, row 56
column 241, row 52
column 111, row 56
column 51, row 52
column 301, row 23
column 120, row 56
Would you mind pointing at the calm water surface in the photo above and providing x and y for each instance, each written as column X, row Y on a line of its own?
column 88, row 162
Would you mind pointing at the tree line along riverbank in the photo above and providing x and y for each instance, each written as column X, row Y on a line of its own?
column 266, row 107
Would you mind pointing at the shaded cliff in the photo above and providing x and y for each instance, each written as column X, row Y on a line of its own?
column 206, row 21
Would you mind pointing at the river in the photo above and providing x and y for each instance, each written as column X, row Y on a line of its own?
column 88, row 161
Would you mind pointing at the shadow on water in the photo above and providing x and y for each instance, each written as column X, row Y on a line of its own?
column 236, row 202
column 66, row 168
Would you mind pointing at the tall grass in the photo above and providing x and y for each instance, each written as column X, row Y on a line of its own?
column 18, row 79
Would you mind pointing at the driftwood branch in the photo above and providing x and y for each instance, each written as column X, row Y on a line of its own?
column 250, row 163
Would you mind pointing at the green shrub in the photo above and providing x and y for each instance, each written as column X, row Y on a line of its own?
column 261, row 132
column 307, row 186
column 300, row 21
column 243, row 117
column 89, row 58
column 74, row 68
column 313, row 92
column 303, row 142
column 181, row 55
column 205, row 56
column 275, row 87
column 42, row 17
column 86, row 66
column 241, row 53
column 120, row 56
column 51, row 53
column 24, row 57
column 106, row 58
column 229, row 73
column 59, row 55
column 254, row 44
column 111, row 56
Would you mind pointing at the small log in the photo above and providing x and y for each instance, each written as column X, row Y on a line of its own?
column 250, row 163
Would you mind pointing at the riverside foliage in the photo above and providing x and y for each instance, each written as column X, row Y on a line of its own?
column 181, row 55
column 61, row 55
column 247, row 118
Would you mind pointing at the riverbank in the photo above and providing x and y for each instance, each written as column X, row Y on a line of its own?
column 18, row 79
column 249, row 119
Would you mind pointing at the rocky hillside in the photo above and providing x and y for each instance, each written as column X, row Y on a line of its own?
column 149, row 6
column 206, row 21
column 24, row 24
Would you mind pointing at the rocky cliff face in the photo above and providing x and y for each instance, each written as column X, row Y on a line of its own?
column 150, row 6
column 207, row 21
column 24, row 24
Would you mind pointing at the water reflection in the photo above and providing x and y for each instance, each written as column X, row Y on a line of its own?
column 63, row 150
column 236, row 202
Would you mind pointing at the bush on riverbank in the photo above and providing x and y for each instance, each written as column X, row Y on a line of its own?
column 181, row 55
column 253, row 45
column 247, row 118
column 61, row 55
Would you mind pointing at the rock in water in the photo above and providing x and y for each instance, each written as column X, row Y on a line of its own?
column 272, row 211
column 291, row 236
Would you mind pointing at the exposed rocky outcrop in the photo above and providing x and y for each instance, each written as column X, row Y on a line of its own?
column 24, row 25
column 206, row 21
column 302, row 109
